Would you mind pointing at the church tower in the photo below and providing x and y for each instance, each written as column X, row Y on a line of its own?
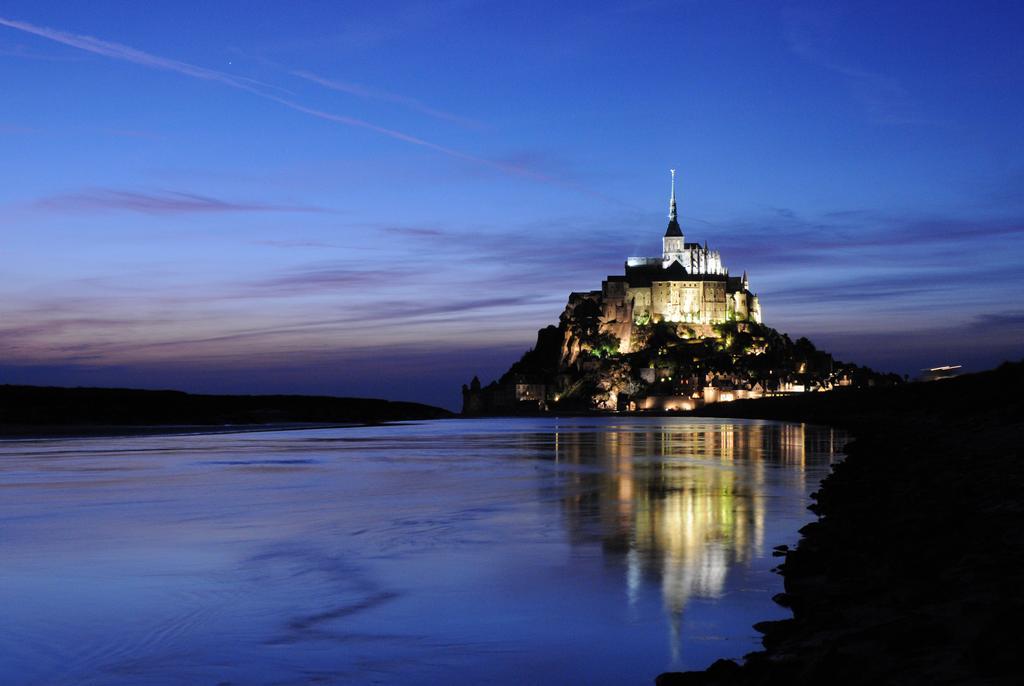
column 673, row 242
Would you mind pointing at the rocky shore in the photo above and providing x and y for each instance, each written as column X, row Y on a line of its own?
column 914, row 571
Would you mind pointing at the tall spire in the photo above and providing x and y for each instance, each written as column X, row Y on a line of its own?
column 673, row 223
column 672, row 202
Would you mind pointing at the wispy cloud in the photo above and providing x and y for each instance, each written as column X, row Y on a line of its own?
column 808, row 30
column 123, row 52
column 49, row 326
column 385, row 27
column 128, row 54
column 871, row 288
column 909, row 263
column 133, row 133
column 323, row 278
column 784, row 235
column 373, row 94
column 419, row 231
column 424, row 371
column 537, row 246
column 1004, row 320
column 166, row 202
column 7, row 128
column 17, row 129
column 295, row 243
column 146, row 331
column 22, row 52
column 306, row 312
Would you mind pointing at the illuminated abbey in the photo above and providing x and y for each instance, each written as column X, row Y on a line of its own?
column 672, row 333
column 687, row 284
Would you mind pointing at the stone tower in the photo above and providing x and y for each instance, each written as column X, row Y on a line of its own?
column 673, row 244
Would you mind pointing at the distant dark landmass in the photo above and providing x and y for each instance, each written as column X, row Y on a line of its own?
column 43, row 409
column 914, row 571
column 933, row 405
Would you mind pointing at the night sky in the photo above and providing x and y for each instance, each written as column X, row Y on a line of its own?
column 383, row 199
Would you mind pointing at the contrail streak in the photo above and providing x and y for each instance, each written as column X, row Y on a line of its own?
column 398, row 135
column 371, row 94
column 129, row 54
column 125, row 53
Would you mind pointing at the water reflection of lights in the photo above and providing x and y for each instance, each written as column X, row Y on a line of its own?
column 680, row 506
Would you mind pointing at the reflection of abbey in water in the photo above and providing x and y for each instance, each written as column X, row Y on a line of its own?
column 683, row 523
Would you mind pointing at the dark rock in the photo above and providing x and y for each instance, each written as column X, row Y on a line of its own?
column 720, row 672
column 913, row 572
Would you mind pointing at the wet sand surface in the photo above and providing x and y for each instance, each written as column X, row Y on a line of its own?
column 532, row 550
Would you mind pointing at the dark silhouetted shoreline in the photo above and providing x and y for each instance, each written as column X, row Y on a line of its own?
column 42, row 410
column 914, row 572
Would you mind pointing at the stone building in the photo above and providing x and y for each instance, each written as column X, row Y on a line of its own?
column 687, row 284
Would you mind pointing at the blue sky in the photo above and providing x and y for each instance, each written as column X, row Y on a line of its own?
column 386, row 198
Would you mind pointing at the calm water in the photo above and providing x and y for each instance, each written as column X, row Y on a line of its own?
column 502, row 551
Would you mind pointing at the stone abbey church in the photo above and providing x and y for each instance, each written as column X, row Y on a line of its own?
column 688, row 284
